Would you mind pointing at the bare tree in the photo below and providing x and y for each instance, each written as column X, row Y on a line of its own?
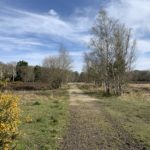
column 112, row 52
column 124, row 56
column 92, row 67
column 58, row 66
column 65, row 62
column 51, row 62
column 1, row 70
column 12, row 67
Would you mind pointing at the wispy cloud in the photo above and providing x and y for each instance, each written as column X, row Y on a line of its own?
column 18, row 22
column 36, row 35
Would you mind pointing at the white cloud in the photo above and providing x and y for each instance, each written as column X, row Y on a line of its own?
column 27, row 31
column 135, row 14
column 21, row 22
column 143, row 63
column 131, row 11
column 52, row 12
column 143, row 46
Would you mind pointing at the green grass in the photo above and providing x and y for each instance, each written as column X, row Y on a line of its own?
column 131, row 111
column 43, row 119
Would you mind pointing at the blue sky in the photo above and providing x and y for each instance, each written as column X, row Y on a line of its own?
column 33, row 29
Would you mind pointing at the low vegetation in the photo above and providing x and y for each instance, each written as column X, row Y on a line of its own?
column 43, row 119
column 9, row 121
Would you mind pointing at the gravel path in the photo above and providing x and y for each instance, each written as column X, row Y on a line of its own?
column 91, row 128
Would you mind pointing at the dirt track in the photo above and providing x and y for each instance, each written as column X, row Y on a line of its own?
column 91, row 128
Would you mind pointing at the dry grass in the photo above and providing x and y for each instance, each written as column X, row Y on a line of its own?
column 140, row 85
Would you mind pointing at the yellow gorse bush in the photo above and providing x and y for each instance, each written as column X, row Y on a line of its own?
column 9, row 120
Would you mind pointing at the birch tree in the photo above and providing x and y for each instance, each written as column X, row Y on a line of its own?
column 113, row 50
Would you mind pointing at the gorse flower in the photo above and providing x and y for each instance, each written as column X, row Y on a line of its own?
column 9, row 120
column 28, row 119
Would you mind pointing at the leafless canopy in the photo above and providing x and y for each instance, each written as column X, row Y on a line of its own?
column 112, row 52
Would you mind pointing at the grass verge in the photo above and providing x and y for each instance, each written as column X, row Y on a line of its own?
column 44, row 119
column 130, row 111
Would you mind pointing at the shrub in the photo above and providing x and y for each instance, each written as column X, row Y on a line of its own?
column 3, row 85
column 28, row 86
column 28, row 119
column 56, row 83
column 36, row 103
column 9, row 120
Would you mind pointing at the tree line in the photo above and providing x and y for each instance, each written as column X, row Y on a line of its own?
column 140, row 76
column 55, row 70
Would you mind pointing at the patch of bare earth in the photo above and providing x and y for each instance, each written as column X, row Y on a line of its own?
column 91, row 128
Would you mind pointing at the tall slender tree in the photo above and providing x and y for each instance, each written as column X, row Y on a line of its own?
column 113, row 50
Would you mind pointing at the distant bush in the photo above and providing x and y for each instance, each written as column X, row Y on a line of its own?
column 3, row 85
column 28, row 86
column 56, row 83
column 36, row 103
column 9, row 120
